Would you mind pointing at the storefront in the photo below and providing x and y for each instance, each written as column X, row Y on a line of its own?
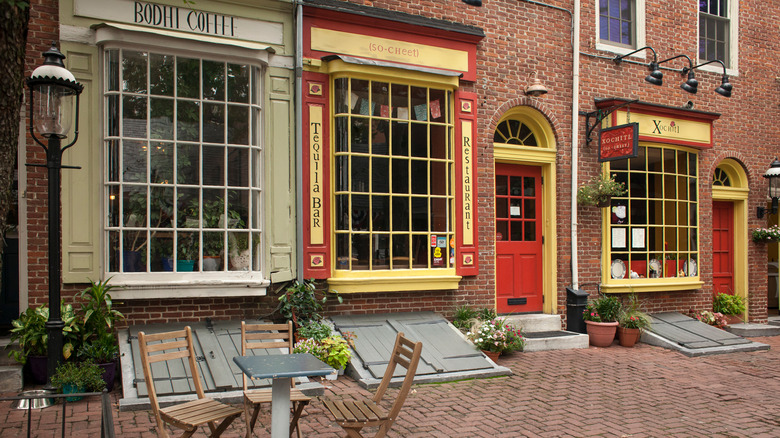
column 389, row 153
column 186, row 144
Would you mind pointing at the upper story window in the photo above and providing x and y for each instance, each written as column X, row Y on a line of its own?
column 182, row 166
column 715, row 30
column 653, row 230
column 617, row 22
column 393, row 176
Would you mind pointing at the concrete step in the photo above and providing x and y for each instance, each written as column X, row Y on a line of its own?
column 536, row 322
column 11, row 380
column 543, row 332
column 774, row 320
column 6, row 360
column 749, row 330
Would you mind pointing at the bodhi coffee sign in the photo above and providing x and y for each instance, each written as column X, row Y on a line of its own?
column 618, row 142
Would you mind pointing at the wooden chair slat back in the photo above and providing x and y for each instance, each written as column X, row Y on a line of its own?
column 269, row 335
column 406, row 354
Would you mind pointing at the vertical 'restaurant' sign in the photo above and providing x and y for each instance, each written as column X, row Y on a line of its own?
column 315, row 175
column 618, row 142
column 468, row 187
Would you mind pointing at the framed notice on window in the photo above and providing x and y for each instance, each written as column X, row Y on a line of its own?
column 619, row 142
column 618, row 238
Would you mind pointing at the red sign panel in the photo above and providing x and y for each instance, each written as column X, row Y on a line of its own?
column 618, row 142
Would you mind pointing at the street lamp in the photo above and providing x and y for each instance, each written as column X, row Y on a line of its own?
column 773, row 176
column 52, row 109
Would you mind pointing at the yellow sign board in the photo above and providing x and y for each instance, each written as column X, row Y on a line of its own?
column 316, row 207
column 467, row 188
column 669, row 129
column 346, row 43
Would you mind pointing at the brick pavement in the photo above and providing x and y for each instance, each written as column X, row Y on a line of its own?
column 643, row 391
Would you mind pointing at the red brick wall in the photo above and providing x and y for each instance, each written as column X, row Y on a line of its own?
column 521, row 38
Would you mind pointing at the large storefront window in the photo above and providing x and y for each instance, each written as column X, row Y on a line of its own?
column 393, row 176
column 182, row 171
column 653, row 230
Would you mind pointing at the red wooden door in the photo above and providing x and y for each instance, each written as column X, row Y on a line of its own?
column 723, row 247
column 518, row 239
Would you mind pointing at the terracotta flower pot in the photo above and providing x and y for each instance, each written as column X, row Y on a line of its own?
column 492, row 355
column 601, row 334
column 628, row 336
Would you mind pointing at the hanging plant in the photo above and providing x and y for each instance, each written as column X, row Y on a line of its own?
column 600, row 190
column 766, row 235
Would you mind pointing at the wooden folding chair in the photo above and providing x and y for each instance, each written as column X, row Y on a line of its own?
column 353, row 415
column 264, row 336
column 177, row 345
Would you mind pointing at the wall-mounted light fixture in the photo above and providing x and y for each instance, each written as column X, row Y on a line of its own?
column 656, row 77
column 773, row 175
column 536, row 88
column 725, row 87
column 691, row 85
column 473, row 2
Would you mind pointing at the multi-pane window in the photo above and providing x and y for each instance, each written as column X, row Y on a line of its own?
column 182, row 163
column 617, row 22
column 393, row 176
column 653, row 229
column 714, row 30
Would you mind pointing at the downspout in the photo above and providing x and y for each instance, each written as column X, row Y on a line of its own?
column 575, row 108
column 299, row 139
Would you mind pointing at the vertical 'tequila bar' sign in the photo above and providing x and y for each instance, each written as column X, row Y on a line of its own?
column 315, row 175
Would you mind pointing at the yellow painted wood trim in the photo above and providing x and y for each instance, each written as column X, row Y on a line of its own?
column 338, row 68
column 523, row 154
column 659, row 285
column 396, row 283
column 729, row 193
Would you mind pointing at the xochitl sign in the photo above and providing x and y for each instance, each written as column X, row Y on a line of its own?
column 618, row 142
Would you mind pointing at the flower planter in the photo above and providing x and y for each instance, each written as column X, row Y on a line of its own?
column 603, row 201
column 38, row 368
column 109, row 374
column 733, row 319
column 492, row 355
column 628, row 336
column 601, row 334
column 72, row 389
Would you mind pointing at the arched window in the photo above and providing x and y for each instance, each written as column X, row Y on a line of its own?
column 514, row 132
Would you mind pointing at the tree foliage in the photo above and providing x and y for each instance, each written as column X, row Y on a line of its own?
column 14, row 19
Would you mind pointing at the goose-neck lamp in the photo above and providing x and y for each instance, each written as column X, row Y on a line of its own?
column 54, row 102
column 725, row 87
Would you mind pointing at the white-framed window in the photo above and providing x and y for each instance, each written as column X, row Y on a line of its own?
column 182, row 166
column 393, row 176
column 620, row 25
column 718, row 32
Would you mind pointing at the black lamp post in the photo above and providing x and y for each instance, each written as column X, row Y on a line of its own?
column 773, row 176
column 52, row 108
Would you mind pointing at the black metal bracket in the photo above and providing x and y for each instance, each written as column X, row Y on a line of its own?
column 600, row 115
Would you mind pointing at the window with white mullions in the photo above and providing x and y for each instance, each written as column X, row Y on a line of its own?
column 714, row 31
column 617, row 22
column 393, row 176
column 182, row 164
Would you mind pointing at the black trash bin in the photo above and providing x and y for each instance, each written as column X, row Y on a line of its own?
column 576, row 300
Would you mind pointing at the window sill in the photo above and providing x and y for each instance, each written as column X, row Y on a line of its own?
column 150, row 286
column 397, row 282
column 643, row 285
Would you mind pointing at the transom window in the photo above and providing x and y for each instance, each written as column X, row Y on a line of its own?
column 714, row 30
column 653, row 230
column 617, row 22
column 182, row 164
column 721, row 178
column 514, row 132
column 393, row 176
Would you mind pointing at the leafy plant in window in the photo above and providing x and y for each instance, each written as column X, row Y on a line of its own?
column 214, row 216
column 599, row 190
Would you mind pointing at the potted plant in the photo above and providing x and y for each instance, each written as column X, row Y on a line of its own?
column 189, row 250
column 731, row 306
column 336, row 352
column 496, row 336
column 715, row 319
column 30, row 331
column 215, row 216
column 631, row 321
column 601, row 317
column 767, row 235
column 302, row 304
column 99, row 343
column 600, row 190
column 465, row 317
column 315, row 330
column 75, row 377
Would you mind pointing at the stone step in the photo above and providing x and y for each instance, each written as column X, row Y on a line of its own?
column 11, row 380
column 536, row 322
column 6, row 360
column 749, row 330
column 774, row 320
column 554, row 340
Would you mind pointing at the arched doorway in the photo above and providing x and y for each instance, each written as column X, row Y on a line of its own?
column 524, row 153
column 729, row 229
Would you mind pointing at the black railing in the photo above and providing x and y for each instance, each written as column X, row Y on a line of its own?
column 106, row 417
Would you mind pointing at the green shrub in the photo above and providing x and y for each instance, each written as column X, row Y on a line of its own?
column 82, row 375
column 728, row 304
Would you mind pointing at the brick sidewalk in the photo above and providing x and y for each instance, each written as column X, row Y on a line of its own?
column 643, row 391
